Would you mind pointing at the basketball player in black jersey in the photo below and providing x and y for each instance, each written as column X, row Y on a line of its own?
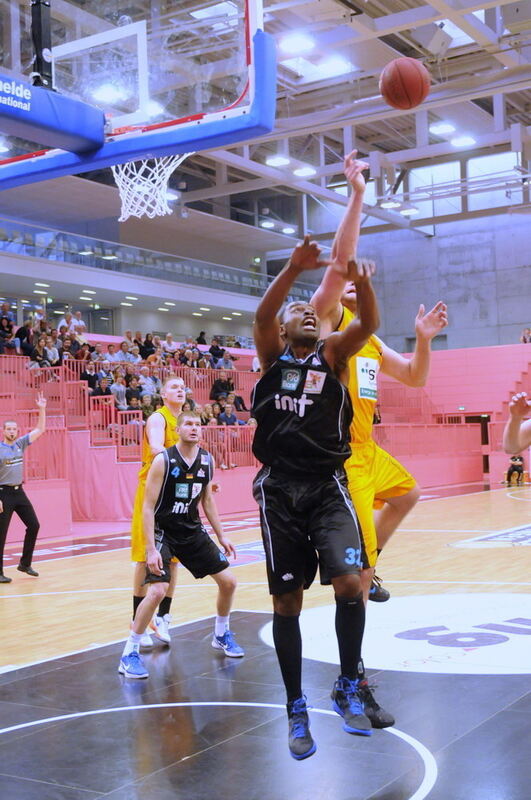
column 303, row 411
column 179, row 478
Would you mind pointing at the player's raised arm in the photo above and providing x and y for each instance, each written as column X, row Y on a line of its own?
column 153, row 487
column 517, row 433
column 266, row 327
column 415, row 371
column 327, row 299
column 341, row 346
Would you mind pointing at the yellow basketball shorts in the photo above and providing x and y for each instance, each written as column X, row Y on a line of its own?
column 373, row 477
column 138, row 544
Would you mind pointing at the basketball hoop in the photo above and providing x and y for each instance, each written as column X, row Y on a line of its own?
column 143, row 186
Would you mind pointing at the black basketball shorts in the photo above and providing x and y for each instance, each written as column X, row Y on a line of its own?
column 307, row 522
column 197, row 552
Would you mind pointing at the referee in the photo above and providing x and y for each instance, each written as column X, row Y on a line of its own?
column 12, row 495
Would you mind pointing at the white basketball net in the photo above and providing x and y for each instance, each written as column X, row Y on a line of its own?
column 143, row 186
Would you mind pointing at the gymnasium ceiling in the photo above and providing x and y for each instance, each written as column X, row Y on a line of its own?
column 479, row 56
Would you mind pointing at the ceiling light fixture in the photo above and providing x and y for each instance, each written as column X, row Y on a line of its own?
column 296, row 43
column 86, row 252
column 126, row 304
column 88, row 291
column 409, row 212
column 109, row 257
column 267, row 223
column 203, row 308
column 390, row 204
column 236, row 313
column 39, row 291
column 288, row 230
column 130, row 297
column 441, row 128
column 229, row 319
column 277, row 160
column 47, row 285
column 462, row 141
column 196, row 314
column 161, row 308
column 305, row 171
column 168, row 303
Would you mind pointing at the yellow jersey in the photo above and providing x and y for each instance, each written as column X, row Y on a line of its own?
column 171, row 437
column 362, row 383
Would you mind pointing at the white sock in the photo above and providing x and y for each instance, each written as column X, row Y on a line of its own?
column 221, row 625
column 132, row 643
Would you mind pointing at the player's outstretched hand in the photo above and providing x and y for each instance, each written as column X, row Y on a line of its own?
column 41, row 400
column 429, row 325
column 228, row 547
column 520, row 406
column 307, row 256
column 154, row 561
column 353, row 169
column 360, row 270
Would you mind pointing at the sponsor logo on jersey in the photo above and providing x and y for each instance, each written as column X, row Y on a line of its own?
column 290, row 379
column 297, row 405
column 189, row 477
column 180, row 508
column 200, row 473
column 204, row 459
column 367, row 372
column 196, row 489
column 181, row 491
column 287, row 577
column 314, row 381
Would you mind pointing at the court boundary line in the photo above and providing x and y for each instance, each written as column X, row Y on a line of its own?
column 428, row 759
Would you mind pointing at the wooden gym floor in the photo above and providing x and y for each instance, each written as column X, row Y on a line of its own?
column 450, row 652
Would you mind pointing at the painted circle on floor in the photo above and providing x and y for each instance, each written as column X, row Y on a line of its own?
column 427, row 758
column 466, row 634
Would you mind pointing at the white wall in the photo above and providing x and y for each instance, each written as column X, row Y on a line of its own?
column 180, row 325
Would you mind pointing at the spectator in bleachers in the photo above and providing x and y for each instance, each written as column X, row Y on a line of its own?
column 155, row 359
column 118, row 390
column 111, row 354
column 255, row 366
column 188, row 343
column 7, row 338
column 123, row 352
column 128, row 338
column 228, row 417
column 169, row 346
column 83, row 354
column 67, row 352
column 190, row 399
column 78, row 324
column 89, row 375
column 525, row 338
column 5, row 311
column 38, row 354
column 133, row 390
column 147, row 348
column 186, row 407
column 217, row 445
column 25, row 338
column 102, row 389
column 215, row 350
column 236, row 401
column 158, row 402
column 201, row 360
column 134, row 355
column 198, row 409
column 97, row 353
column 52, row 353
column 206, row 414
column 216, row 411
column 129, row 371
column 156, row 341
column 225, row 362
column 105, row 372
column 251, row 422
column 57, row 342
column 146, row 406
column 221, row 387
column 67, row 321
column 133, row 404
column 137, row 341
column 201, row 338
column 149, row 384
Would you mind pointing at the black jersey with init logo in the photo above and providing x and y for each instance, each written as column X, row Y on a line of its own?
column 176, row 510
column 303, row 413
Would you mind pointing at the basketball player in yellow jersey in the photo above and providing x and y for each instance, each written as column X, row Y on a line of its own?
column 160, row 433
column 376, row 479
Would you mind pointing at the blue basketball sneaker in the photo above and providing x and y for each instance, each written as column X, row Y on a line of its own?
column 132, row 666
column 348, row 703
column 228, row 644
column 300, row 742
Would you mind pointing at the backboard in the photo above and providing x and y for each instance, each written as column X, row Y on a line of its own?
column 171, row 76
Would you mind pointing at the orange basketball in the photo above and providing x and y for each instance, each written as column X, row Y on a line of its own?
column 404, row 83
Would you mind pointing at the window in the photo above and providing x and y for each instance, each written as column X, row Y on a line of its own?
column 494, row 169
column 425, row 179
